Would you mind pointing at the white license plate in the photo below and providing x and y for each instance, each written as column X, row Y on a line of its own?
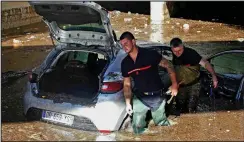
column 58, row 117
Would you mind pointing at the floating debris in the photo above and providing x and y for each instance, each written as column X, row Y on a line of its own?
column 240, row 39
column 16, row 41
column 32, row 37
column 137, row 30
column 227, row 130
column 198, row 31
column 129, row 12
column 36, row 136
column 117, row 12
column 145, row 32
column 145, row 25
column 186, row 26
column 172, row 122
column 127, row 19
column 177, row 23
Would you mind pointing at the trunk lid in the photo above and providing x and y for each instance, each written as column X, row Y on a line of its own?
column 85, row 23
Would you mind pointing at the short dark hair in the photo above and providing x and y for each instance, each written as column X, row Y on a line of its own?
column 127, row 35
column 175, row 42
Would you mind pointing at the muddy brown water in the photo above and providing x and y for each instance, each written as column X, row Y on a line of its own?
column 24, row 48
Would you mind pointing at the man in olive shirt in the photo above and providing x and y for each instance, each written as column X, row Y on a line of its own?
column 142, row 65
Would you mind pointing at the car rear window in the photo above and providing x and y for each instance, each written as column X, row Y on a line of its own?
column 95, row 27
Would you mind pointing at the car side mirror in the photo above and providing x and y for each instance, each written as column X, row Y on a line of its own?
column 33, row 77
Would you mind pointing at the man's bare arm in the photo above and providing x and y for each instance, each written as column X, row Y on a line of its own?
column 204, row 63
column 166, row 64
column 127, row 90
column 170, row 69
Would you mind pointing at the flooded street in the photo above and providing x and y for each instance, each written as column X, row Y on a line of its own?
column 24, row 48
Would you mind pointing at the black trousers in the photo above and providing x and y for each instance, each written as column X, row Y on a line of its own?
column 187, row 98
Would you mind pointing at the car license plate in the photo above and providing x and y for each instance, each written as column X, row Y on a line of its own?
column 58, row 117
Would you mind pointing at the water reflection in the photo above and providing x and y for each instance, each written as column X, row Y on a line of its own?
column 157, row 32
column 156, row 22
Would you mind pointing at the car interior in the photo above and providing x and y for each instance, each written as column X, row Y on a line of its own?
column 230, row 71
column 76, row 73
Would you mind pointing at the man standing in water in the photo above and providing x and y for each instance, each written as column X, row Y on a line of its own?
column 142, row 65
column 187, row 66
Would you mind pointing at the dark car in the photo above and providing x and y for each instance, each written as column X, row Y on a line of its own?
column 229, row 67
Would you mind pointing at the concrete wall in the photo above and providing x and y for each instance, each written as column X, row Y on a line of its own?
column 16, row 14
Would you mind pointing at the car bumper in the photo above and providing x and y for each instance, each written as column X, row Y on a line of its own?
column 106, row 115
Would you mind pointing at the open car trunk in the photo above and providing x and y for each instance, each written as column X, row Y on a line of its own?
column 74, row 78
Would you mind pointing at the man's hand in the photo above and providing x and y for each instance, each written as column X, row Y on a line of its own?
column 174, row 89
column 129, row 109
column 204, row 63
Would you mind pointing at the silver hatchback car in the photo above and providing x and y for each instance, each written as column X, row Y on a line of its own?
column 79, row 84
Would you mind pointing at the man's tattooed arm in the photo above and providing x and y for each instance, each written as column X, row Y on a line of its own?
column 170, row 68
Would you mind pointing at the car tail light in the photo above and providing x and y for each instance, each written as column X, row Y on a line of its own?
column 105, row 131
column 111, row 87
column 33, row 77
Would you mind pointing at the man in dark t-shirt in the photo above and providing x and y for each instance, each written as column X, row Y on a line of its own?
column 187, row 65
column 142, row 66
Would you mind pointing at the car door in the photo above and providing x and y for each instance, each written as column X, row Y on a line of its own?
column 229, row 68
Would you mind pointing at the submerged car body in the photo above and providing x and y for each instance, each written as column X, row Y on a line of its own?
column 58, row 90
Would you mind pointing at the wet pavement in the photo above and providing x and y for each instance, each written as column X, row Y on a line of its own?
column 25, row 48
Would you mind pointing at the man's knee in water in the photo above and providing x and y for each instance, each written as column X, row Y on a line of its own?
column 139, row 120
